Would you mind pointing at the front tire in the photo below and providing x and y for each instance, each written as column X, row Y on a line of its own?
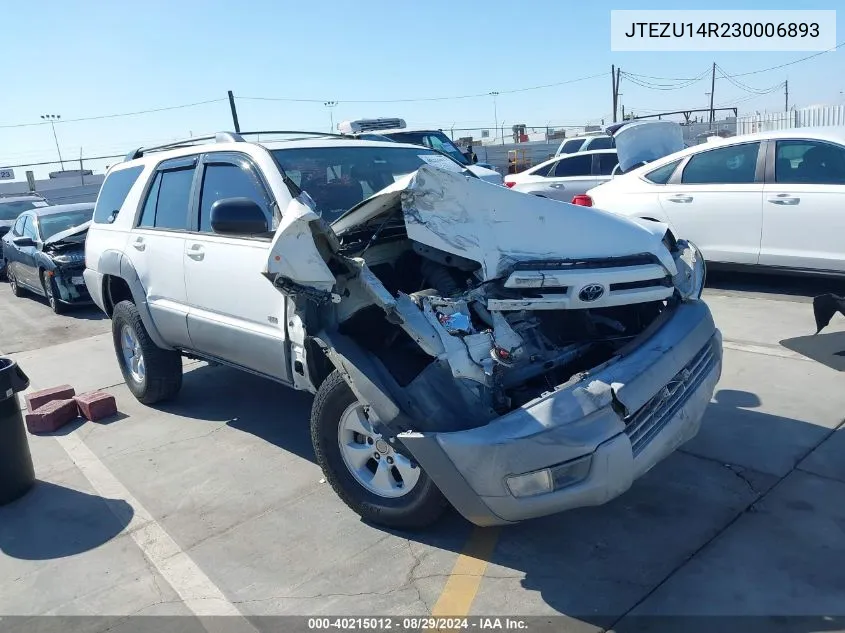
column 52, row 293
column 381, row 484
column 152, row 374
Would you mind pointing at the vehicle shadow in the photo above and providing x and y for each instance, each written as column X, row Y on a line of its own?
column 258, row 406
column 762, row 283
column 52, row 521
column 827, row 348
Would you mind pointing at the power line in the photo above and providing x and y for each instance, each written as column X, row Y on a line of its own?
column 426, row 99
column 797, row 61
column 747, row 88
column 115, row 116
column 750, row 72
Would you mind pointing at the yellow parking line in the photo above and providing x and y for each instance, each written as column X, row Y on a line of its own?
column 456, row 598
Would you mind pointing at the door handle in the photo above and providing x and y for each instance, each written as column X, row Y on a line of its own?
column 557, row 185
column 138, row 244
column 196, row 252
column 680, row 198
column 784, row 198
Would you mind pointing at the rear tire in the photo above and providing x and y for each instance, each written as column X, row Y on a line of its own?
column 152, row 374
column 417, row 508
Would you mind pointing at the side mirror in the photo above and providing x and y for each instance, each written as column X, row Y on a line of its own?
column 23, row 241
column 237, row 216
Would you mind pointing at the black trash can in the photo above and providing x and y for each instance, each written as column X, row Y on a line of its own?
column 16, row 472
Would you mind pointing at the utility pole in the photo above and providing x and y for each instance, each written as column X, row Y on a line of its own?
column 712, row 86
column 234, row 112
column 617, row 77
column 495, row 94
column 613, row 87
column 330, row 105
column 52, row 118
column 786, row 96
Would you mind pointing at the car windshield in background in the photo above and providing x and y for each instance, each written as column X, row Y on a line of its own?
column 50, row 225
column 11, row 210
column 439, row 142
column 338, row 178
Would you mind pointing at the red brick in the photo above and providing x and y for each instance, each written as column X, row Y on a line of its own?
column 51, row 416
column 96, row 405
column 38, row 399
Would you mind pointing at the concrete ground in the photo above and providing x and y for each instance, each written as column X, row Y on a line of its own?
column 212, row 504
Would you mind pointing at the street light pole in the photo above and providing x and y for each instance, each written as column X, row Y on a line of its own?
column 52, row 118
column 495, row 94
column 330, row 105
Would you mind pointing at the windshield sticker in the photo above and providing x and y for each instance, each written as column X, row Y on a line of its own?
column 441, row 162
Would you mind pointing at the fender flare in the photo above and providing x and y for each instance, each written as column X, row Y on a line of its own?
column 116, row 264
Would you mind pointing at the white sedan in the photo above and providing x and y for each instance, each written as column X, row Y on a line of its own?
column 565, row 176
column 773, row 200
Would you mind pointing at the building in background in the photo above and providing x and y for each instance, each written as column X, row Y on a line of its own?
column 61, row 187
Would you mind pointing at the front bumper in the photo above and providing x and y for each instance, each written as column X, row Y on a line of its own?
column 625, row 417
column 71, row 285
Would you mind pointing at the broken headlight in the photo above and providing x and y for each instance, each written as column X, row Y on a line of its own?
column 692, row 271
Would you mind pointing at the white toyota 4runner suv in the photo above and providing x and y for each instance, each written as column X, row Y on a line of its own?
column 511, row 355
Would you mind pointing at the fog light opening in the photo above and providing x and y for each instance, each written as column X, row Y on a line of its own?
column 550, row 479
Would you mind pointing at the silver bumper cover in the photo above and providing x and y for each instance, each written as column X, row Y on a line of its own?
column 627, row 417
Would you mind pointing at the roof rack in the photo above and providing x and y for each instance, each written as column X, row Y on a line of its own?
column 219, row 137
column 300, row 132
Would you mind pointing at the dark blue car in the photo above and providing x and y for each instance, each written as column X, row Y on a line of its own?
column 44, row 253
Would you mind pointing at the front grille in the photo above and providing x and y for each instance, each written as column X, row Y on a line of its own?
column 580, row 264
column 665, row 282
column 644, row 425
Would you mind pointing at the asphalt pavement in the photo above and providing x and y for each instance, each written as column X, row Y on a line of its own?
column 213, row 505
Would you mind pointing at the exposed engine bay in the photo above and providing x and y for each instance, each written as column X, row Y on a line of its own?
column 504, row 358
column 466, row 339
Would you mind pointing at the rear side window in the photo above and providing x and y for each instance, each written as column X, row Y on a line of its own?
column 601, row 142
column 168, row 200
column 734, row 164
column 572, row 145
column 113, row 193
column 661, row 175
column 607, row 163
column 578, row 165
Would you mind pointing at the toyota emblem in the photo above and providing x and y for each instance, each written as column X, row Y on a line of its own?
column 591, row 292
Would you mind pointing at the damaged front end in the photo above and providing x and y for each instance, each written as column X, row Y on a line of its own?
column 452, row 307
column 66, row 256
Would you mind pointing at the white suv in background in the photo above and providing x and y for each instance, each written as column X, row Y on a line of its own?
column 465, row 342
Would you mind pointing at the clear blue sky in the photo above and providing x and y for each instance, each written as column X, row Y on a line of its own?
column 88, row 58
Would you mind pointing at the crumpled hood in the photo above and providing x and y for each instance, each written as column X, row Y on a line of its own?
column 63, row 235
column 498, row 227
column 645, row 141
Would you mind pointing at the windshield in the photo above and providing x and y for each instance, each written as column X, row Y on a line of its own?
column 338, row 178
column 50, row 225
column 11, row 210
column 435, row 140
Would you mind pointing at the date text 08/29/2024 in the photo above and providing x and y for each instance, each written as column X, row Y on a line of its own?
column 416, row 623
